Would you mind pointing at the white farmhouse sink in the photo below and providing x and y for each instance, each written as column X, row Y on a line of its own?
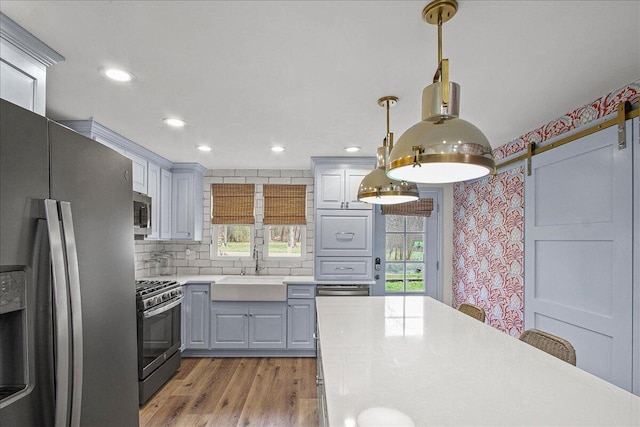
column 249, row 288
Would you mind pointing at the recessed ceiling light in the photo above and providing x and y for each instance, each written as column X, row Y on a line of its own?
column 351, row 149
column 118, row 74
column 204, row 148
column 277, row 149
column 176, row 123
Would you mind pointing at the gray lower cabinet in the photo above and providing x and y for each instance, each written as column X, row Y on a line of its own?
column 248, row 325
column 301, row 314
column 196, row 316
column 229, row 327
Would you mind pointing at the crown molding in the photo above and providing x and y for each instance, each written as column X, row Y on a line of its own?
column 27, row 42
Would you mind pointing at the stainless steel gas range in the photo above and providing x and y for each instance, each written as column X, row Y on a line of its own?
column 159, row 315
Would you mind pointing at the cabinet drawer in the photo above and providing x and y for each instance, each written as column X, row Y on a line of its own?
column 301, row 291
column 344, row 268
column 345, row 233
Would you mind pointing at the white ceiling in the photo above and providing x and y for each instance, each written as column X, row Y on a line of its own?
column 246, row 75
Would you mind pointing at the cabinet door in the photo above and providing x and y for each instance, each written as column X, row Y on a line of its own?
column 353, row 178
column 196, row 309
column 164, row 210
column 330, row 188
column 344, row 233
column 139, row 172
column 301, row 315
column 229, row 327
column 268, row 327
column 182, row 207
column 153, row 191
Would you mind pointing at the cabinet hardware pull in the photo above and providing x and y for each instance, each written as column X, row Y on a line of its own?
column 344, row 268
column 345, row 235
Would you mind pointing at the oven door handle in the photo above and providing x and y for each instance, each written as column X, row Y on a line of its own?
column 162, row 309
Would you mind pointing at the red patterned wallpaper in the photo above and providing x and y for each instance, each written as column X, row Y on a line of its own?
column 488, row 222
column 488, row 248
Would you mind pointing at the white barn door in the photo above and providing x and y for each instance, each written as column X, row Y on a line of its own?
column 578, row 251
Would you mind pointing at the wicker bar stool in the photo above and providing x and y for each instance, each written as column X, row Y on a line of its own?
column 554, row 345
column 472, row 310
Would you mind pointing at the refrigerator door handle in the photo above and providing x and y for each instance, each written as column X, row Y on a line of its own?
column 76, row 311
column 61, row 317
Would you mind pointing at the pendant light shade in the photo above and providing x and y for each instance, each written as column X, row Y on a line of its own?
column 376, row 187
column 452, row 150
column 441, row 148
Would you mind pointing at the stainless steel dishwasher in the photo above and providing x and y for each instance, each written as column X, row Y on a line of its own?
column 342, row 290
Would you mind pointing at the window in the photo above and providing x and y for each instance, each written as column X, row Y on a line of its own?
column 233, row 241
column 232, row 216
column 405, row 263
column 285, row 220
column 405, row 248
column 285, row 241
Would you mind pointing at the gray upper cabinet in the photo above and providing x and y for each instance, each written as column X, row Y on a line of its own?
column 187, row 209
column 176, row 189
column 153, row 191
column 166, row 183
column 337, row 187
column 139, row 174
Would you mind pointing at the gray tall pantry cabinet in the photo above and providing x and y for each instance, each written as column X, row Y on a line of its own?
column 344, row 226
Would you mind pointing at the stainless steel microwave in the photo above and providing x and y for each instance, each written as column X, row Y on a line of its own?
column 141, row 215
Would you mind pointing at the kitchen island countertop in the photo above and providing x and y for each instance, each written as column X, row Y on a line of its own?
column 416, row 357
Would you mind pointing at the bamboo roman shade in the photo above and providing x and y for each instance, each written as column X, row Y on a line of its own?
column 420, row 207
column 285, row 204
column 232, row 203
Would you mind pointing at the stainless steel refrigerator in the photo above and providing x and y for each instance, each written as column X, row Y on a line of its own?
column 67, row 291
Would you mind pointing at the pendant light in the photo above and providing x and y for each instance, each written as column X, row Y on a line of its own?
column 376, row 187
column 442, row 147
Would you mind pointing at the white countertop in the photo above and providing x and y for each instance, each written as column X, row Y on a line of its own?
column 290, row 280
column 438, row 366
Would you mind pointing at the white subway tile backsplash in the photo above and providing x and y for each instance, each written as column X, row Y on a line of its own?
column 234, row 180
column 269, row 172
column 290, row 173
column 246, row 172
column 211, row 270
column 187, row 270
column 257, row 180
column 279, row 180
column 279, row 271
column 222, row 172
column 200, row 260
column 302, row 181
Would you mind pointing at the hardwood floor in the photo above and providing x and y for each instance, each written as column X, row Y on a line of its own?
column 236, row 392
